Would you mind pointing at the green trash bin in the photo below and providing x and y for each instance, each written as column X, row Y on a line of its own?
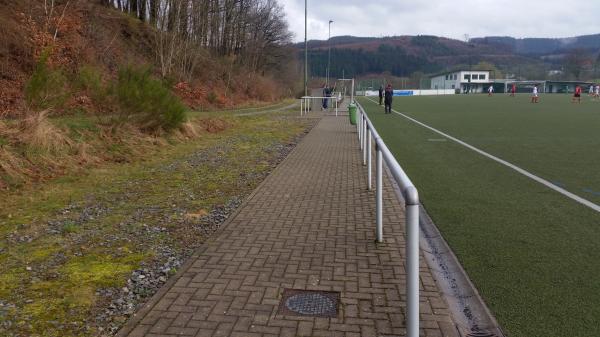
column 352, row 113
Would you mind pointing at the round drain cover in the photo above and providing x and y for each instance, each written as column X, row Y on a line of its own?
column 311, row 304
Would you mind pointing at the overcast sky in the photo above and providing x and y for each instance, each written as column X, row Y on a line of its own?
column 449, row 18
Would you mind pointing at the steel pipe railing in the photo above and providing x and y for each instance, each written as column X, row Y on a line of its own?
column 411, row 204
column 306, row 103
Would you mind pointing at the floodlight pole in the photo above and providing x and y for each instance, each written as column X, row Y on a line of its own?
column 305, row 48
column 329, row 53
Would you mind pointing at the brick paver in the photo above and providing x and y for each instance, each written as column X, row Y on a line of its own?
column 310, row 225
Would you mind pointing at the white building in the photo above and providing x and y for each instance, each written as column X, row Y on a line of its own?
column 474, row 81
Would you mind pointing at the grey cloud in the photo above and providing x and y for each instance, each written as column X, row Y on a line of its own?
column 450, row 18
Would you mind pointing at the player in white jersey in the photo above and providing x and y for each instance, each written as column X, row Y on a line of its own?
column 490, row 90
column 597, row 92
column 534, row 95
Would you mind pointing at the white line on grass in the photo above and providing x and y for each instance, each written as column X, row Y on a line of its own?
column 530, row 175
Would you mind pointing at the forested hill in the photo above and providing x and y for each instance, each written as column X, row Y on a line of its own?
column 541, row 46
column 404, row 56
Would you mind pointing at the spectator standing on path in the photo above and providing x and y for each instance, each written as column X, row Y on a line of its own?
column 389, row 93
column 381, row 95
column 326, row 93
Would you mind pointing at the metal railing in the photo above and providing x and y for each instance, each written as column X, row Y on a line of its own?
column 306, row 103
column 366, row 134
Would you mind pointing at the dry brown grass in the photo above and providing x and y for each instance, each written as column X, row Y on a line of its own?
column 37, row 132
column 214, row 125
column 14, row 168
column 85, row 155
column 188, row 130
column 34, row 149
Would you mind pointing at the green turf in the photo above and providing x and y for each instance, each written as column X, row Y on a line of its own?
column 530, row 251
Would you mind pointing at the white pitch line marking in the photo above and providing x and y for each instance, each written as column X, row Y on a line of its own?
column 528, row 174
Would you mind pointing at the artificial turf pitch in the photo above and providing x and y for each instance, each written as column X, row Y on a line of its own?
column 533, row 253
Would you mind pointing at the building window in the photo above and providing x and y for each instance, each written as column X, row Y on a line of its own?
column 455, row 76
column 482, row 77
column 446, row 77
column 467, row 77
column 453, row 86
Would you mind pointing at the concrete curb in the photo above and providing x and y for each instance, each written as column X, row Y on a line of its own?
column 471, row 315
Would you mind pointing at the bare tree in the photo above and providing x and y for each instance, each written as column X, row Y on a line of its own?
column 250, row 32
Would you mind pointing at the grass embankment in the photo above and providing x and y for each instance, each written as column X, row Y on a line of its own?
column 70, row 245
column 530, row 251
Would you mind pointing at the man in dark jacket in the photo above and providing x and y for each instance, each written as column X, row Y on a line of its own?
column 389, row 93
column 326, row 93
column 380, row 94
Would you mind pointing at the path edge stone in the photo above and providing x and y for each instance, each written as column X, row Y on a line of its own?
column 137, row 317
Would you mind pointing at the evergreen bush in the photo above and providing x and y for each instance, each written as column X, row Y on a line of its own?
column 46, row 87
column 147, row 100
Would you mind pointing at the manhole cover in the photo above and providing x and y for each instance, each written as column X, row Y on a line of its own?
column 309, row 303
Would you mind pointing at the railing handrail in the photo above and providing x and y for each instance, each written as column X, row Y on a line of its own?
column 316, row 97
column 408, row 189
column 366, row 131
column 306, row 102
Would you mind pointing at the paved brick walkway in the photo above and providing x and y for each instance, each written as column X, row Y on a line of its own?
column 309, row 226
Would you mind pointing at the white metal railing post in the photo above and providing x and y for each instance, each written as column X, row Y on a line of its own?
column 301, row 105
column 365, row 136
column 336, row 107
column 357, row 124
column 369, row 168
column 412, row 204
column 412, row 269
column 306, row 105
column 357, row 127
column 379, row 193
column 360, row 131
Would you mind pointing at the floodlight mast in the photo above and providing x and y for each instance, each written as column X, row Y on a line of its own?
column 305, row 48
column 329, row 53
column 468, row 41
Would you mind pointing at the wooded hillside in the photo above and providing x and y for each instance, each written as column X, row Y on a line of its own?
column 406, row 56
column 214, row 53
column 253, row 31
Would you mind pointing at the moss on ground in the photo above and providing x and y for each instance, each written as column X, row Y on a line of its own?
column 66, row 239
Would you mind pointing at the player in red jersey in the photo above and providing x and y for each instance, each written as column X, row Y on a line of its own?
column 513, row 90
column 577, row 95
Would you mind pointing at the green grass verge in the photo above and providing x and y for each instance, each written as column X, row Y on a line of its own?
column 50, row 273
column 530, row 251
column 244, row 109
